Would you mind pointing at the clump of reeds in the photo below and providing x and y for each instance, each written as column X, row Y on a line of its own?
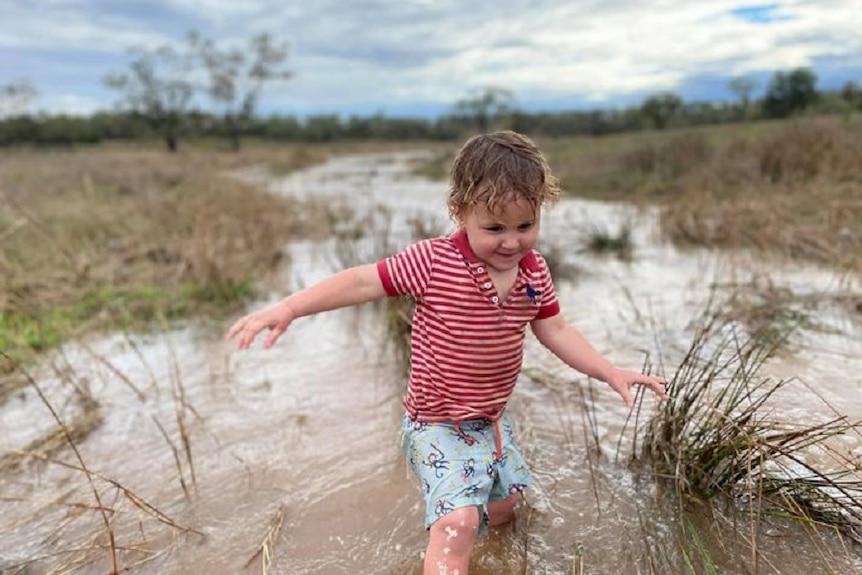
column 598, row 239
column 563, row 269
column 772, row 313
column 719, row 436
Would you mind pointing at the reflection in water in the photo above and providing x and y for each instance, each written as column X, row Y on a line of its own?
column 199, row 437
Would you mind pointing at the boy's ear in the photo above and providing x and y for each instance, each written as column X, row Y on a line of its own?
column 458, row 217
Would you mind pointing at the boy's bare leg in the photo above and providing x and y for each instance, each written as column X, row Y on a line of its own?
column 500, row 512
column 451, row 542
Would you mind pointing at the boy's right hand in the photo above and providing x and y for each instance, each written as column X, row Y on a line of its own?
column 276, row 318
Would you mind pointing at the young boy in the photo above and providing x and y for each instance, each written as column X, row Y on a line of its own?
column 475, row 292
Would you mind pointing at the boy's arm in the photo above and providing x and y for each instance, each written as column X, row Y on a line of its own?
column 569, row 345
column 349, row 287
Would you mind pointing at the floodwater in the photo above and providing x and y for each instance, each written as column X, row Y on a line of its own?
column 211, row 461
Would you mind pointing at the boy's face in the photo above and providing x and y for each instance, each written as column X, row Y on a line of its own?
column 502, row 238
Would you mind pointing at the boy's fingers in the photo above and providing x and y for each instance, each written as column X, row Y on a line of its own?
column 274, row 334
column 239, row 326
column 658, row 386
column 247, row 335
column 627, row 397
column 234, row 329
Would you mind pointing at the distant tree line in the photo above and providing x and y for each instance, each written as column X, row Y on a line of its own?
column 158, row 95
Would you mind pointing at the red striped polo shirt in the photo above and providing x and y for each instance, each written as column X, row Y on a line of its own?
column 466, row 345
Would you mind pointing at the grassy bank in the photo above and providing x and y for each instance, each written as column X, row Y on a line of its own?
column 792, row 188
column 112, row 237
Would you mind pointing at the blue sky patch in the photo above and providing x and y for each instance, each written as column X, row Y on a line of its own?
column 760, row 13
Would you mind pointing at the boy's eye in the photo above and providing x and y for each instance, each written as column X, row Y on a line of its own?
column 525, row 226
column 494, row 228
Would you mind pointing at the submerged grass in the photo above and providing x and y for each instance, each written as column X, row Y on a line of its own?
column 82, row 547
column 598, row 239
column 266, row 549
column 718, row 470
column 718, row 438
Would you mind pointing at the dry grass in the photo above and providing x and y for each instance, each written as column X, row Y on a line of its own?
column 718, row 469
column 267, row 545
column 117, row 218
column 718, row 442
column 789, row 188
column 115, row 544
column 120, row 237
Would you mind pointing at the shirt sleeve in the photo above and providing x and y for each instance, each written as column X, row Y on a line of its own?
column 408, row 272
column 550, row 305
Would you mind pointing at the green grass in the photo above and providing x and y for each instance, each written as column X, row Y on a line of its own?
column 25, row 333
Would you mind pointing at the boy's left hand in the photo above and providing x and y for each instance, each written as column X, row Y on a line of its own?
column 624, row 379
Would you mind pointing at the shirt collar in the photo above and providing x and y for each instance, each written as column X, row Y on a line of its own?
column 459, row 239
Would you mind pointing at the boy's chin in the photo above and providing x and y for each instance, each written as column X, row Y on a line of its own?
column 503, row 264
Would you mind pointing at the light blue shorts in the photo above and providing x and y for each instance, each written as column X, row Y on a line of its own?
column 474, row 467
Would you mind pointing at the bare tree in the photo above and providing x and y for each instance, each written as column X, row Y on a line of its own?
column 237, row 77
column 743, row 87
column 486, row 106
column 157, row 87
column 16, row 97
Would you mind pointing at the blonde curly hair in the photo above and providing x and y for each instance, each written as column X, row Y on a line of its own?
column 498, row 168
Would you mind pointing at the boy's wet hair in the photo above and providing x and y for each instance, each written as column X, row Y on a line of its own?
column 497, row 168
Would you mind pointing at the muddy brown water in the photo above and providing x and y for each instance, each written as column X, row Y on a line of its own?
column 307, row 432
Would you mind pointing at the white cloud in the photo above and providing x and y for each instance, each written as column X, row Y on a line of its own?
column 72, row 26
column 392, row 53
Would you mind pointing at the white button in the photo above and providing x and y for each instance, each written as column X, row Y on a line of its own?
column 486, row 285
column 495, row 299
column 481, row 270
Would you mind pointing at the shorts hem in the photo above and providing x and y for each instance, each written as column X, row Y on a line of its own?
column 480, row 503
column 492, row 498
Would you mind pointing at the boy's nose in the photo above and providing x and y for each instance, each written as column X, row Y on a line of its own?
column 510, row 242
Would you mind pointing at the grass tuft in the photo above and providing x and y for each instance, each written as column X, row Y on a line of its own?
column 718, row 437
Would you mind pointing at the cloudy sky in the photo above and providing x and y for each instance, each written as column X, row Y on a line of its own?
column 417, row 57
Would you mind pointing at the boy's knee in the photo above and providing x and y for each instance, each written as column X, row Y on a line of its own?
column 503, row 511
column 458, row 529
